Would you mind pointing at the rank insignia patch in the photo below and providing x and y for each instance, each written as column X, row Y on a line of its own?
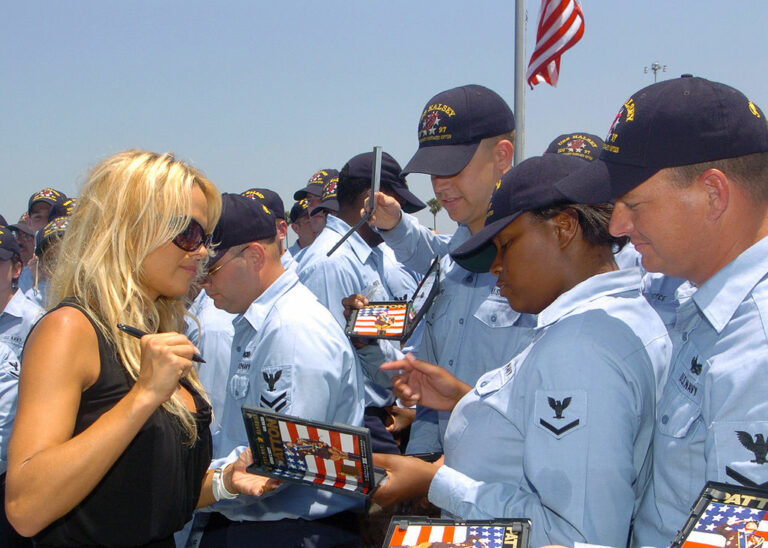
column 560, row 412
column 275, row 393
column 740, row 451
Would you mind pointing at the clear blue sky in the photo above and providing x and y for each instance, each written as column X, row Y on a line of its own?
column 265, row 93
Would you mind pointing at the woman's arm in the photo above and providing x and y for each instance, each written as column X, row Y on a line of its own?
column 49, row 471
column 236, row 481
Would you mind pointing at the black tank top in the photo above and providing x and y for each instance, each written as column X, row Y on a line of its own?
column 152, row 489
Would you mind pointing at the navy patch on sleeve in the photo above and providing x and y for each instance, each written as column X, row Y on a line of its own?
column 560, row 412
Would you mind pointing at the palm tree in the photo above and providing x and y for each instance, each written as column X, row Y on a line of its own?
column 434, row 208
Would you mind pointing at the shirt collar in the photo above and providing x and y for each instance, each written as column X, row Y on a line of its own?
column 355, row 242
column 15, row 306
column 720, row 296
column 259, row 309
column 608, row 283
column 461, row 235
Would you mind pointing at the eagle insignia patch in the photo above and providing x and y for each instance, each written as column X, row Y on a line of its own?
column 275, row 393
column 560, row 412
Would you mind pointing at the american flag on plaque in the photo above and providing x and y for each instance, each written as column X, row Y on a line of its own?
column 728, row 516
column 432, row 533
column 729, row 526
column 328, row 456
column 381, row 320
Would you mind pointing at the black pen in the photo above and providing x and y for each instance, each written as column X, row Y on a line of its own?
column 138, row 333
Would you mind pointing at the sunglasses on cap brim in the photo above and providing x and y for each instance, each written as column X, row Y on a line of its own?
column 192, row 237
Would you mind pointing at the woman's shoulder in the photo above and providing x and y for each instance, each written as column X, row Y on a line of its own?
column 64, row 337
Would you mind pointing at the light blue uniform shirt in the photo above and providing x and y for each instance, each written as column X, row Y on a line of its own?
column 39, row 295
column 288, row 355
column 26, row 280
column 469, row 329
column 294, row 249
column 355, row 267
column 214, row 341
column 9, row 391
column 16, row 321
column 712, row 419
column 562, row 433
column 660, row 290
column 287, row 260
column 414, row 244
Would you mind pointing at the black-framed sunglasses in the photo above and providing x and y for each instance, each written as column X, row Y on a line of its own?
column 214, row 269
column 192, row 237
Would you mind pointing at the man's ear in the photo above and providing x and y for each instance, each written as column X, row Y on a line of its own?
column 503, row 154
column 717, row 188
column 282, row 229
column 16, row 266
column 256, row 256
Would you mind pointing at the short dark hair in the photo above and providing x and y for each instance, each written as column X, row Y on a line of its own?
column 593, row 220
column 350, row 188
column 750, row 171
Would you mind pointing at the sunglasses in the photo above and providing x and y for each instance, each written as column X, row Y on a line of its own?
column 192, row 237
column 211, row 271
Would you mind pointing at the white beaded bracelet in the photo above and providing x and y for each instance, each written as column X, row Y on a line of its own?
column 220, row 490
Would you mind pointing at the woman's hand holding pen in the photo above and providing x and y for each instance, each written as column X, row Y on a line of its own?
column 165, row 359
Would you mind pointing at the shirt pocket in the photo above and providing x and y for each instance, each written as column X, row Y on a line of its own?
column 680, row 404
column 439, row 309
column 496, row 312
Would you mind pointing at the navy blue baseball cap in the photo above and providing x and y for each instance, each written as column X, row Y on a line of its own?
column 9, row 247
column 581, row 145
column 299, row 210
column 50, row 196
column 22, row 225
column 532, row 184
column 52, row 231
column 672, row 123
column 316, row 183
column 330, row 197
column 269, row 197
column 242, row 220
column 361, row 167
column 64, row 209
column 452, row 125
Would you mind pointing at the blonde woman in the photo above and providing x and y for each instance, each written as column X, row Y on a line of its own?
column 111, row 443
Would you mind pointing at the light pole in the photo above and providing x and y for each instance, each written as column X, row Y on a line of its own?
column 656, row 67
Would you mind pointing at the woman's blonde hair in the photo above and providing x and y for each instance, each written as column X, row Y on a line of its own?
column 131, row 204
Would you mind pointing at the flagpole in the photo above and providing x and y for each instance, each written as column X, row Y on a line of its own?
column 519, row 81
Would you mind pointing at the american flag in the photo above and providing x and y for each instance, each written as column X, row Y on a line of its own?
column 322, row 470
column 389, row 318
column 561, row 25
column 728, row 526
column 483, row 536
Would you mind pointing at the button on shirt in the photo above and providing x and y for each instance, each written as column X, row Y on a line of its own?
column 288, row 355
column 562, row 433
column 469, row 329
column 16, row 321
column 9, row 391
column 712, row 419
